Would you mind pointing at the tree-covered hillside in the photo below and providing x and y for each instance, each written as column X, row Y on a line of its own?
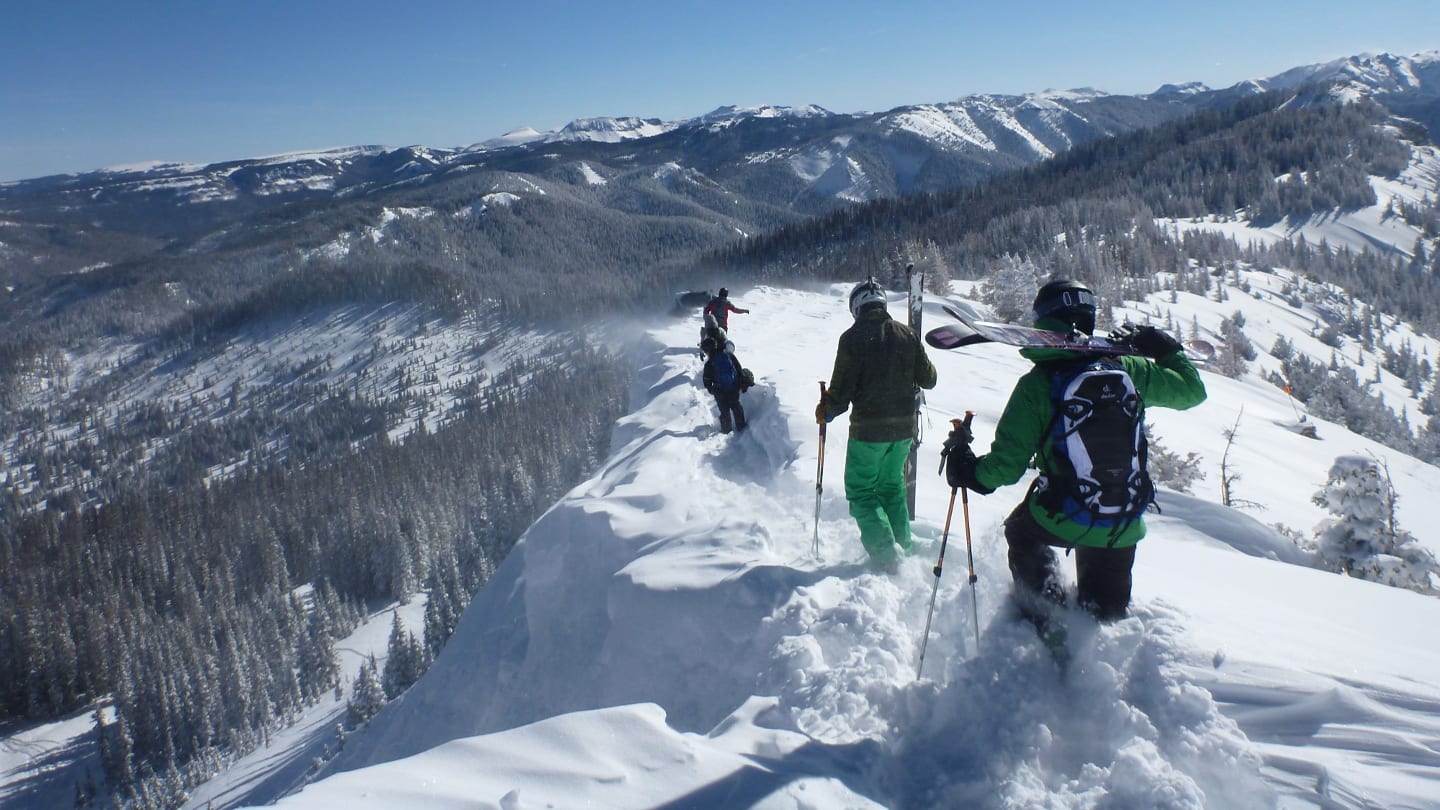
column 1150, row 210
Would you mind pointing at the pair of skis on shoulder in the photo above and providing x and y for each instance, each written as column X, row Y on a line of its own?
column 969, row 331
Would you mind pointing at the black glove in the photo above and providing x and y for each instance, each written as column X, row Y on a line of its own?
column 960, row 471
column 958, row 460
column 960, row 436
column 1148, row 341
column 958, row 440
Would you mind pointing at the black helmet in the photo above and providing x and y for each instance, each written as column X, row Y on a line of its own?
column 864, row 295
column 724, row 293
column 1068, row 301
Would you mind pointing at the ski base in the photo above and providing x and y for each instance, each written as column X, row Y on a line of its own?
column 969, row 332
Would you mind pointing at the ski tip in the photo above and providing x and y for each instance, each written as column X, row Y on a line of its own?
column 952, row 336
column 1199, row 349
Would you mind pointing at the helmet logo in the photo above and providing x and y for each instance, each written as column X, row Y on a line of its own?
column 864, row 294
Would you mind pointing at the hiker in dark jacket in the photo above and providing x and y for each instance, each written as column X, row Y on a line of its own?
column 724, row 379
column 721, row 308
column 1162, row 376
column 711, row 330
column 878, row 363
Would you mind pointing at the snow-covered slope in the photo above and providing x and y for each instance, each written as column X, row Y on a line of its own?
column 1378, row 227
column 372, row 352
column 664, row 637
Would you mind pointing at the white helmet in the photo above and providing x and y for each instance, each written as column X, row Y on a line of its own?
column 865, row 293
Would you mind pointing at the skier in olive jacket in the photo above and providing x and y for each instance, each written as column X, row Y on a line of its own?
column 1163, row 377
column 878, row 364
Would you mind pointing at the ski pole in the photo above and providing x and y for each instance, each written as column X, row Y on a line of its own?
column 935, row 590
column 819, row 476
column 970, row 558
column 1290, row 396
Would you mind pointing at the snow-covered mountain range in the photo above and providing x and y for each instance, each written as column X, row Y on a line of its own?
column 911, row 148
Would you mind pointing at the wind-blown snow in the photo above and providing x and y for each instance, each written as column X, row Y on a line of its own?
column 664, row 637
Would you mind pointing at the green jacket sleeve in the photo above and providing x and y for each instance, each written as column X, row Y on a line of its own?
column 1171, row 381
column 1018, row 433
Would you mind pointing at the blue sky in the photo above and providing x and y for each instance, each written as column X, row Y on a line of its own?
column 86, row 84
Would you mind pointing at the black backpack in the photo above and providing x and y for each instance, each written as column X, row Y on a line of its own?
column 1098, row 447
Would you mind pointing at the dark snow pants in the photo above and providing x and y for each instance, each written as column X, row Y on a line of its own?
column 731, row 412
column 1102, row 574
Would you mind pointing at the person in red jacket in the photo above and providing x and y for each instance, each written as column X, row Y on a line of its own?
column 721, row 308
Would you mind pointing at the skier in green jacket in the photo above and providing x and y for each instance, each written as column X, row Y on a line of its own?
column 878, row 364
column 1162, row 376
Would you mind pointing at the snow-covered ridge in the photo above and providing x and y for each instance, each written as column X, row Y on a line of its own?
column 1037, row 120
column 664, row 636
column 1367, row 74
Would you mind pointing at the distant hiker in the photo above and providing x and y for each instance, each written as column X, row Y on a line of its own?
column 712, row 330
column 1082, row 419
column 721, row 308
column 726, row 380
column 878, row 363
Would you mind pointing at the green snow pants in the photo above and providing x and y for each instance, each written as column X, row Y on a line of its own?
column 875, row 488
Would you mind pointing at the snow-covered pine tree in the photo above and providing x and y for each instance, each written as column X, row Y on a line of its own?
column 319, row 670
column 367, row 697
column 1168, row 468
column 1010, row 288
column 405, row 660
column 1363, row 540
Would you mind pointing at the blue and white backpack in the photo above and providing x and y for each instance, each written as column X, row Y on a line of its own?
column 1098, row 449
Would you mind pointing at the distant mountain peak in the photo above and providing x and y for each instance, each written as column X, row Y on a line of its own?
column 732, row 112
column 1073, row 94
column 151, row 167
column 611, row 130
column 1182, row 89
column 515, row 137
